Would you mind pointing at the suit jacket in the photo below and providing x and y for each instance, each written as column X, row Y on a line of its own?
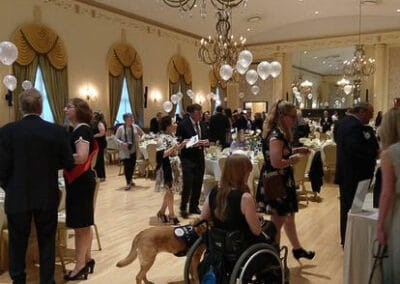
column 326, row 124
column 186, row 130
column 357, row 150
column 31, row 153
column 154, row 125
column 219, row 126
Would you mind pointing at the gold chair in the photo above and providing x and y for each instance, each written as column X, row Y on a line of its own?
column 299, row 173
column 152, row 158
column 328, row 155
column 112, row 150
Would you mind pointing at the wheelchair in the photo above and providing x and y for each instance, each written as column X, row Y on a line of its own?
column 260, row 262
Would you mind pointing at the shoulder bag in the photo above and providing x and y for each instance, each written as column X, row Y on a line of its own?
column 274, row 186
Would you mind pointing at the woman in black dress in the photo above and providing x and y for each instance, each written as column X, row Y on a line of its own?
column 99, row 131
column 80, row 185
column 279, row 155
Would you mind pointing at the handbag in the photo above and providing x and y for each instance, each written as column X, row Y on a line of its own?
column 274, row 186
column 377, row 268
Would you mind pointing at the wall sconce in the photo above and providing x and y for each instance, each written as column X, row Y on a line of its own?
column 200, row 99
column 89, row 93
column 156, row 96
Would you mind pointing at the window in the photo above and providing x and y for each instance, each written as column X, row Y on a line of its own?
column 124, row 105
column 218, row 98
column 178, row 108
column 47, row 114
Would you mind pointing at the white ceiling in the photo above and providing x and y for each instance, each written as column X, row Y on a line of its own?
column 280, row 20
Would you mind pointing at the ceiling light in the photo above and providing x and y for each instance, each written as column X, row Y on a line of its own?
column 316, row 12
column 398, row 10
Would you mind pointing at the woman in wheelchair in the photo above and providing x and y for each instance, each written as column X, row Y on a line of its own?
column 235, row 224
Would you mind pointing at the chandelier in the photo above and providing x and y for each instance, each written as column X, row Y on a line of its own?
column 359, row 67
column 187, row 5
column 223, row 48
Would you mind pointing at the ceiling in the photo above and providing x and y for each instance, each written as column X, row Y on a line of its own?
column 267, row 21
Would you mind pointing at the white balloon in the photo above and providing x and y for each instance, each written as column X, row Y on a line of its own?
column 309, row 96
column 245, row 58
column 241, row 95
column 226, row 72
column 180, row 95
column 8, row 52
column 347, row 89
column 240, row 68
column 251, row 76
column 264, row 69
column 276, row 68
column 255, row 90
column 26, row 85
column 174, row 99
column 10, row 82
column 295, row 90
column 189, row 93
column 167, row 106
column 343, row 100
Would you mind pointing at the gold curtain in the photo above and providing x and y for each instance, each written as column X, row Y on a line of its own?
column 40, row 45
column 125, row 62
column 180, row 77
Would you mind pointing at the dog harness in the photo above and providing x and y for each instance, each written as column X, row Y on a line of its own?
column 188, row 234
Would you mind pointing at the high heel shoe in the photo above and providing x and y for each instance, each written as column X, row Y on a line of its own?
column 301, row 253
column 90, row 265
column 80, row 275
column 162, row 217
column 174, row 220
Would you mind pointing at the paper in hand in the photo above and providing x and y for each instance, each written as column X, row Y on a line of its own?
column 193, row 140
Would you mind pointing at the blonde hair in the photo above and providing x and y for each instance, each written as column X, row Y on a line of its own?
column 273, row 119
column 389, row 131
column 30, row 101
column 237, row 166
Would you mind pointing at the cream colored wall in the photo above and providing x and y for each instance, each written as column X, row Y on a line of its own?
column 394, row 74
column 88, row 38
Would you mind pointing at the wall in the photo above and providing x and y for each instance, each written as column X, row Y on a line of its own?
column 88, row 34
column 394, row 74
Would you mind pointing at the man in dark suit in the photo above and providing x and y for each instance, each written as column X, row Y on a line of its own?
column 326, row 122
column 192, row 159
column 219, row 127
column 155, row 123
column 31, row 152
column 357, row 150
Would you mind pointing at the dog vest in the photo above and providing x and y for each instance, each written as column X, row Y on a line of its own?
column 188, row 235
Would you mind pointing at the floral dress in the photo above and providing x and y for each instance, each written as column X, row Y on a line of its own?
column 169, row 170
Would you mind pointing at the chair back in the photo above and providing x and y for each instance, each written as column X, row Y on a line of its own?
column 299, row 169
column 152, row 154
column 111, row 143
column 329, row 156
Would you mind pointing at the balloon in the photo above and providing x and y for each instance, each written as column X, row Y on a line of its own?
column 8, row 52
column 343, row 100
column 226, row 72
column 295, row 90
column 167, row 106
column 264, row 69
column 245, row 58
column 10, row 82
column 347, row 89
column 275, row 69
column 255, row 90
column 241, row 95
column 240, row 68
column 26, row 85
column 251, row 76
column 189, row 92
column 309, row 96
column 180, row 95
column 174, row 99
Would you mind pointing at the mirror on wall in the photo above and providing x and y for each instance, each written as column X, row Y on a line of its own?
column 255, row 107
column 318, row 80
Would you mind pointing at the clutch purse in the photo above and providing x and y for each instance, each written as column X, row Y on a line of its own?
column 274, row 186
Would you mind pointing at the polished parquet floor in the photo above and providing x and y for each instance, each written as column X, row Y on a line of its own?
column 120, row 215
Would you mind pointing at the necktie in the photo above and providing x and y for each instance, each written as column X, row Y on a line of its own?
column 198, row 130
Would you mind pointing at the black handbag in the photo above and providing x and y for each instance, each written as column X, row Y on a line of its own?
column 274, row 186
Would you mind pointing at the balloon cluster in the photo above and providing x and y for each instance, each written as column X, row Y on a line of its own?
column 8, row 55
column 175, row 98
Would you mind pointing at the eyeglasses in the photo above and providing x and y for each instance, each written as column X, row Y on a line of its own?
column 69, row 106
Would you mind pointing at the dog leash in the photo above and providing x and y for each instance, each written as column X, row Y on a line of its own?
column 380, row 254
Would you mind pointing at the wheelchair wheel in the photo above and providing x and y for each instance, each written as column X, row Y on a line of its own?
column 193, row 258
column 259, row 264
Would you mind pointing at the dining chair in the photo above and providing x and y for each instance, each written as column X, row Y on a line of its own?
column 328, row 155
column 112, row 150
column 152, row 159
column 299, row 174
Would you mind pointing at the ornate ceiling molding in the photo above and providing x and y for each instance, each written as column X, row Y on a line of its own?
column 126, row 20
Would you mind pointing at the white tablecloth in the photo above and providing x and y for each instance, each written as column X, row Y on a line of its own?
column 360, row 236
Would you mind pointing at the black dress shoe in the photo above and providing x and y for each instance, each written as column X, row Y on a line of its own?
column 184, row 214
column 195, row 211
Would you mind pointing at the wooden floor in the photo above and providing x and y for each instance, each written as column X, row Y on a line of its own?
column 120, row 215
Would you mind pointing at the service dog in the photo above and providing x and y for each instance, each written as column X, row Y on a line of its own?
column 149, row 242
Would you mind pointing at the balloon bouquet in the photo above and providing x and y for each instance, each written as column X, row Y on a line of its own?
column 8, row 55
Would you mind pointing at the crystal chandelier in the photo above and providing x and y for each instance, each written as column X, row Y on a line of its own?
column 359, row 67
column 223, row 48
column 187, row 5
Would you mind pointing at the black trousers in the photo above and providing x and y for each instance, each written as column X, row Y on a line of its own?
column 99, row 167
column 192, row 175
column 19, row 227
column 347, row 193
column 129, row 167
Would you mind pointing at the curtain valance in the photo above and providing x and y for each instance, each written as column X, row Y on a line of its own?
column 122, row 56
column 178, row 66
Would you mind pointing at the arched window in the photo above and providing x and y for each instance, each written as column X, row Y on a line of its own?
column 126, row 82
column 39, row 85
